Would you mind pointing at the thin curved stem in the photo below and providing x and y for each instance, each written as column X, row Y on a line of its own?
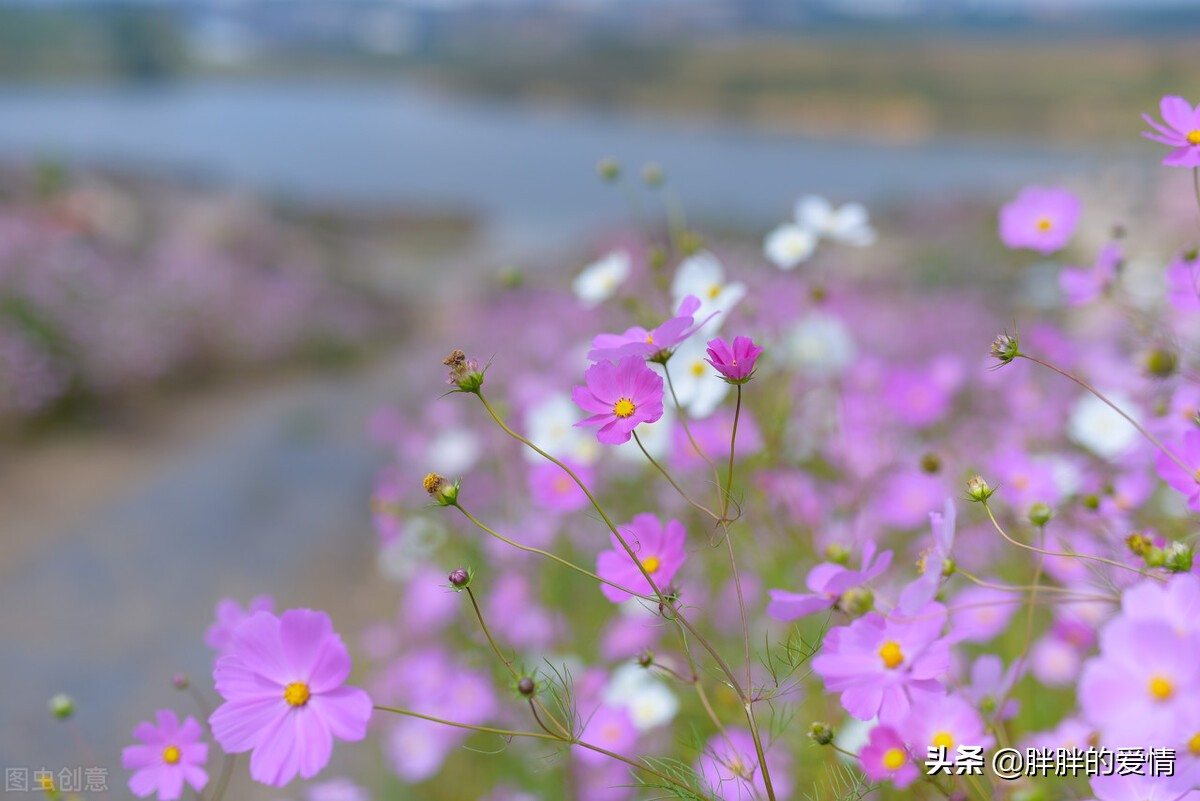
column 1043, row 552
column 1027, row 587
column 701, row 507
column 1153, row 439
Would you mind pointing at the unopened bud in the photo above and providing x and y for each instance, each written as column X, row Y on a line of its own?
column 857, row 601
column 820, row 733
column 837, row 554
column 1179, row 557
column 526, row 686
column 1040, row 514
column 608, row 169
column 653, row 175
column 1161, row 363
column 646, row 658
column 180, row 681
column 931, row 463
column 1005, row 348
column 460, row 578
column 62, row 706
column 978, row 489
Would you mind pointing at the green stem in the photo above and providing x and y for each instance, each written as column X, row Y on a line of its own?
column 701, row 507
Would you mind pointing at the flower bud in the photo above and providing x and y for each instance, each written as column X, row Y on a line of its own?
column 1179, row 557
column 837, row 554
column 931, row 463
column 1040, row 514
column 1005, row 348
column 180, row 682
column 609, row 169
column 820, row 733
column 1161, row 363
column 460, row 578
column 646, row 658
column 978, row 489
column 526, row 686
column 1091, row 502
column 62, row 706
column 857, row 601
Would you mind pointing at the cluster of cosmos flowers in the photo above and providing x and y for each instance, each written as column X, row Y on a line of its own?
column 108, row 288
column 709, row 532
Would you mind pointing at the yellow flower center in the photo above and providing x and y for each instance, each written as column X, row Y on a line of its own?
column 296, row 693
column 891, row 654
column 893, row 758
column 1193, row 137
column 943, row 740
column 698, row 368
column 171, row 755
column 1161, row 688
column 1194, row 744
column 714, row 291
column 624, row 407
column 1044, row 224
column 649, row 339
column 651, row 564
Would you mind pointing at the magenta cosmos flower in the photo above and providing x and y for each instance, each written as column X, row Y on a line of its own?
column 659, row 548
column 1041, row 218
column 1181, row 131
column 883, row 666
column 638, row 341
column 885, row 758
column 285, row 700
column 619, row 396
column 228, row 615
column 734, row 362
column 828, row 581
column 169, row 755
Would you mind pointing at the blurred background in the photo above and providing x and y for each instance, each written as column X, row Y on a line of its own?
column 230, row 229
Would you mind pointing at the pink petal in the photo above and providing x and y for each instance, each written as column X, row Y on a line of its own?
column 346, row 712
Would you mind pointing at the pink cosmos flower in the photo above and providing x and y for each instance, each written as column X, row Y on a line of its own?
column 735, row 362
column 1082, row 285
column 947, row 722
column 1040, row 218
column 886, row 758
column 729, row 767
column 1180, row 131
column 610, row 728
column 282, row 679
column 659, row 548
column 637, row 341
column 883, row 666
column 229, row 614
column 170, row 754
column 827, row 581
column 1185, row 482
column 990, row 682
column 1183, row 282
column 1134, row 787
column 619, row 396
column 1134, row 691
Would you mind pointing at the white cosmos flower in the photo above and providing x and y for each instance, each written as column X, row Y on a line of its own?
column 846, row 224
column 699, row 389
column 703, row 276
column 1095, row 426
column 789, row 245
column 419, row 539
column 649, row 701
column 550, row 425
column 600, row 279
column 820, row 345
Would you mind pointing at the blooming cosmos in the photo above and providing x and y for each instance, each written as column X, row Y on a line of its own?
column 880, row 664
column 658, row 548
column 885, row 758
column 1081, row 285
column 815, row 219
column 619, row 396
column 934, row 563
column 650, row 343
column 1181, row 131
column 228, row 615
column 1040, row 218
column 169, row 755
column 600, row 279
column 729, row 767
column 283, row 681
column 734, row 361
column 703, row 277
